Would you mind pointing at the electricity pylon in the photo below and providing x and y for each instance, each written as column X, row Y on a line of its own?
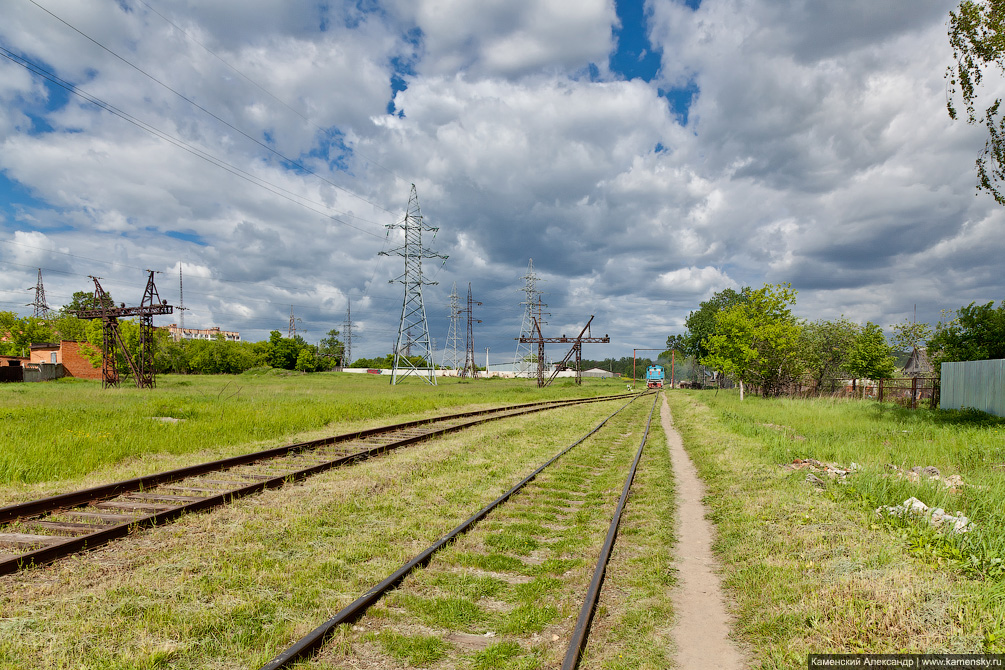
column 347, row 337
column 451, row 353
column 469, row 355
column 413, row 330
column 41, row 308
column 524, row 353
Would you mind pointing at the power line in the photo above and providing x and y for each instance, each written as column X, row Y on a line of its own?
column 181, row 144
column 265, row 146
column 260, row 87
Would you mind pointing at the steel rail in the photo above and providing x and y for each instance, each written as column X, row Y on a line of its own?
column 11, row 513
column 581, row 631
column 311, row 642
column 60, row 546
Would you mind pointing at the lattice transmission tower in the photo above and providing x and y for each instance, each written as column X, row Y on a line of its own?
column 469, row 341
column 42, row 310
column 525, row 365
column 452, row 353
column 413, row 330
column 347, row 336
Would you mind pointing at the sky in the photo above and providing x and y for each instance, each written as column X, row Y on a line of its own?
column 644, row 155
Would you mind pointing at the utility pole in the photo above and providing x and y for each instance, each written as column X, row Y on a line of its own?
column 293, row 325
column 42, row 310
column 532, row 298
column 451, row 352
column 413, row 330
column 469, row 355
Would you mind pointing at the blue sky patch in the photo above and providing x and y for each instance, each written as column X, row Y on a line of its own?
column 634, row 57
column 680, row 99
column 332, row 149
column 402, row 67
column 187, row 236
column 15, row 198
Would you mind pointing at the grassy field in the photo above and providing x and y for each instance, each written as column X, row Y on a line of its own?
column 815, row 569
column 809, row 568
column 56, row 434
column 231, row 588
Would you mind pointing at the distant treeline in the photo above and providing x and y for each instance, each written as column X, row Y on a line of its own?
column 216, row 356
column 624, row 365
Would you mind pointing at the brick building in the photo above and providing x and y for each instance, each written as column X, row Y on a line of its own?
column 67, row 352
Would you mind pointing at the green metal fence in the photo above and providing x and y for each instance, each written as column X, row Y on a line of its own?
column 977, row 384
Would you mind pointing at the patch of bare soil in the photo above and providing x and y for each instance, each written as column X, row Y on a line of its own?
column 701, row 632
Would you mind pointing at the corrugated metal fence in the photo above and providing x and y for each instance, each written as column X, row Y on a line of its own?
column 977, row 384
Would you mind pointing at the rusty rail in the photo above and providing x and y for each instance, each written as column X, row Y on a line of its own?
column 581, row 631
column 313, row 641
column 104, row 513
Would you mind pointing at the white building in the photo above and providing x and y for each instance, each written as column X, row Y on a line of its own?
column 179, row 334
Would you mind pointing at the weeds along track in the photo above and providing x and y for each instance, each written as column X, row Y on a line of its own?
column 42, row 531
column 507, row 582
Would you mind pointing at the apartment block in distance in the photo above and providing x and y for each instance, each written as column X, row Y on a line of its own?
column 179, row 334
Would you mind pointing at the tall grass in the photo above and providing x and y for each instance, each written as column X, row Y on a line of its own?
column 66, row 429
column 822, row 555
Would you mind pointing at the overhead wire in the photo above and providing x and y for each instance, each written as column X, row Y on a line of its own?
column 181, row 144
column 265, row 146
column 264, row 90
column 278, row 190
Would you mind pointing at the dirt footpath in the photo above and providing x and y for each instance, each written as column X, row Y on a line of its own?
column 702, row 628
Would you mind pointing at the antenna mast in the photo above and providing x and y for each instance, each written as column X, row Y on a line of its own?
column 181, row 303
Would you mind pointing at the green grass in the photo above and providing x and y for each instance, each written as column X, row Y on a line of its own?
column 815, row 570
column 235, row 586
column 68, row 429
column 417, row 650
column 232, row 587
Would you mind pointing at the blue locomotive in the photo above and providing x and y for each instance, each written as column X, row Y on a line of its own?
column 655, row 374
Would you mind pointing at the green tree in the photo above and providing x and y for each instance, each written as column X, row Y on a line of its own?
column 871, row 356
column 701, row 323
column 308, row 361
column 22, row 332
column 755, row 341
column 331, row 350
column 129, row 330
column 67, row 327
column 283, row 351
column 84, row 300
column 910, row 335
column 978, row 40
column 976, row 333
column 824, row 348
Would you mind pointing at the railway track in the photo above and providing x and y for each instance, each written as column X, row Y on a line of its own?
column 41, row 531
column 314, row 642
